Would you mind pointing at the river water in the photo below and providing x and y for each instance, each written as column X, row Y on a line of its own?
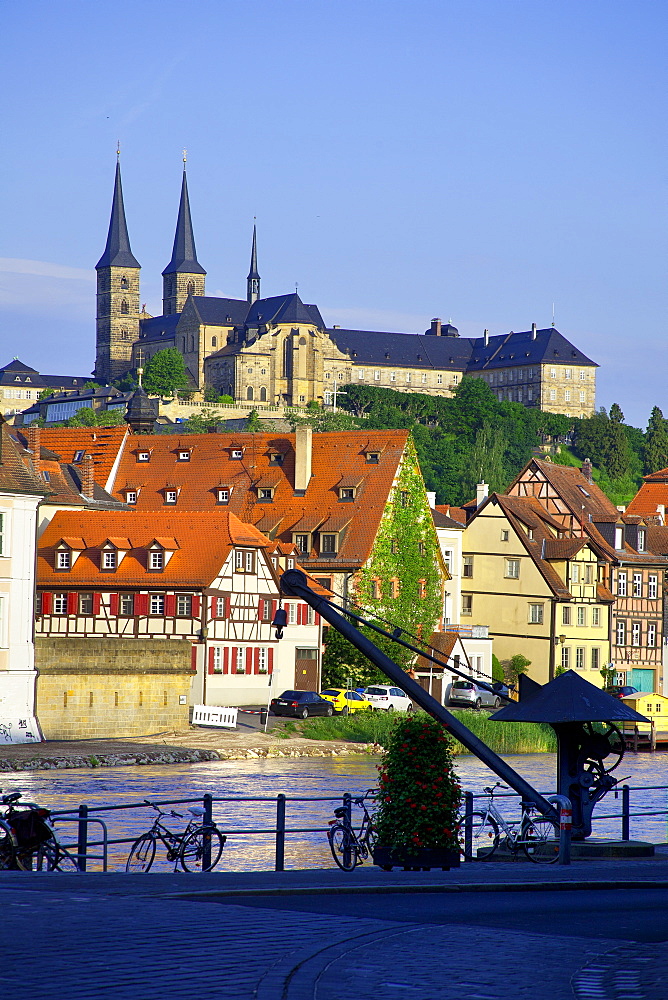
column 327, row 777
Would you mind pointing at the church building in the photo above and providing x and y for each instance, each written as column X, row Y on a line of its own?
column 278, row 350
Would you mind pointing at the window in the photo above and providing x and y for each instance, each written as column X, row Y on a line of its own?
column 447, row 558
column 276, row 458
column 504, row 535
column 236, row 453
column 184, row 456
column 596, row 658
column 347, row 493
column 620, row 632
column 565, row 658
column 376, row 376
column 239, row 667
column 637, row 584
column 184, row 605
column 292, row 613
column 394, row 588
column 360, row 374
column 126, row 604
column 265, row 610
column 157, row 604
column 641, row 540
column 64, row 559
column 652, row 587
column 302, row 543
column 567, row 373
column 582, row 617
column 393, row 376
column 85, row 604
column 580, row 658
column 588, row 572
column 328, row 544
column 262, row 660
column 553, row 372
column 124, row 308
column 109, row 559
column 512, row 569
column 131, row 496
column 439, row 379
column 621, row 584
column 467, row 566
column 583, row 376
column 651, row 634
column 619, row 537
column 223, row 496
column 575, row 573
column 217, row 659
column 596, row 617
column 467, row 604
column 220, row 607
column 583, row 397
column 376, row 590
column 565, row 615
column 567, row 395
column 553, row 395
column 143, row 456
column 423, row 378
column 408, row 376
column 535, row 614
column 171, row 496
column 60, row 604
column 156, row 559
column 244, row 561
column 636, row 633
column 373, row 457
column 265, row 493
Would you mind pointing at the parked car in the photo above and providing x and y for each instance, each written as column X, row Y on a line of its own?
column 469, row 695
column 620, row 690
column 346, row 701
column 300, row 704
column 385, row 698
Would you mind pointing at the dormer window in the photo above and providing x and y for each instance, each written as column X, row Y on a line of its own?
column 266, row 493
column 372, row 457
column 64, row 559
column 223, row 495
column 303, row 543
column 276, row 458
column 347, row 493
column 109, row 559
column 171, row 496
column 619, row 537
column 156, row 559
column 236, row 453
column 78, row 456
column 641, row 540
column 184, row 456
column 328, row 544
column 143, row 456
column 131, row 496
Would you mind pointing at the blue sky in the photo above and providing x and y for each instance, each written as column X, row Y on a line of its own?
column 477, row 160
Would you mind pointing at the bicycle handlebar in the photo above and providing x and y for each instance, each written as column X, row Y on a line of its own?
column 160, row 812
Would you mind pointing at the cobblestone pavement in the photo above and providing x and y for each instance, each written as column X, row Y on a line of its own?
column 131, row 936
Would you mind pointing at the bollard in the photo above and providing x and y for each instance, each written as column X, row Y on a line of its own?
column 280, row 833
column 263, row 716
column 82, row 837
column 347, row 800
column 468, row 827
column 207, row 820
column 626, row 812
column 565, row 826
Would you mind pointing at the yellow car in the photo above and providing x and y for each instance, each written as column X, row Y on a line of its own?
column 346, row 701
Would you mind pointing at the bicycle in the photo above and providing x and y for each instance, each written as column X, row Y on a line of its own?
column 188, row 848
column 349, row 847
column 32, row 844
column 536, row 835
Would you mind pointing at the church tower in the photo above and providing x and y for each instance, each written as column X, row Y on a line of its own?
column 117, row 295
column 253, row 279
column 183, row 276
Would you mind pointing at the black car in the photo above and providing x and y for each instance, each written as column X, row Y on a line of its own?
column 620, row 690
column 300, row 704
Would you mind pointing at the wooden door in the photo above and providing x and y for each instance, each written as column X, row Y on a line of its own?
column 307, row 674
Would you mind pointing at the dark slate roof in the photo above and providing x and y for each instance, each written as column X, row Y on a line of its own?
column 458, row 353
column 184, row 255
column 159, row 327
column 520, row 349
column 15, row 476
column 221, row 312
column 568, row 698
column 283, row 309
column 16, row 373
column 117, row 252
column 18, row 366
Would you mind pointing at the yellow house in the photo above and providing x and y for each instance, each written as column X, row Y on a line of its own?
column 537, row 590
column 655, row 708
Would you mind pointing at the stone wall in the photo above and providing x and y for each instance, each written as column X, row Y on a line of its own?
column 111, row 687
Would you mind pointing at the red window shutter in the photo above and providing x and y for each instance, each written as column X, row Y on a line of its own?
column 233, row 666
column 196, row 606
column 170, row 605
column 256, row 661
column 226, row 660
column 72, row 603
column 228, row 606
column 113, row 604
column 46, row 603
column 271, row 660
column 193, row 658
column 141, row 604
column 317, row 618
column 96, row 604
column 211, row 652
column 260, row 609
column 274, row 608
column 249, row 660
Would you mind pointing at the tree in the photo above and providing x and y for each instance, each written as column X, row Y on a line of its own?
column 516, row 665
column 253, row 422
column 616, row 413
column 655, row 452
column 201, row 423
column 165, row 373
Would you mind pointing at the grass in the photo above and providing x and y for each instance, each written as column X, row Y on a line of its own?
column 375, row 727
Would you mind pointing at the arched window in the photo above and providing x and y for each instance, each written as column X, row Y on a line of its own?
column 124, row 282
column 214, row 341
column 191, row 288
column 124, row 307
column 263, row 394
column 125, row 335
column 192, row 343
column 249, row 392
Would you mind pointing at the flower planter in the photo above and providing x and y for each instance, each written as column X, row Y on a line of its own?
column 419, row 858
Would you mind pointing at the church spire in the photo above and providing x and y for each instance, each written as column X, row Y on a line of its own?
column 117, row 252
column 184, row 275
column 253, row 279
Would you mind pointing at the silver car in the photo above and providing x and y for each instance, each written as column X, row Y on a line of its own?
column 469, row 695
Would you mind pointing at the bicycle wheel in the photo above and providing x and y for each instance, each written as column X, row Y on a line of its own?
column 484, row 836
column 540, row 840
column 342, row 846
column 141, row 856
column 191, row 854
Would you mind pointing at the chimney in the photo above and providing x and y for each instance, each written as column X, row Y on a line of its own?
column 533, row 331
column 481, row 493
column 486, row 338
column 431, row 498
column 586, row 470
column 303, row 452
column 86, row 476
column 436, row 327
column 31, row 434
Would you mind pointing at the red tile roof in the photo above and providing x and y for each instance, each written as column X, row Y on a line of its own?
column 102, row 443
column 649, row 497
